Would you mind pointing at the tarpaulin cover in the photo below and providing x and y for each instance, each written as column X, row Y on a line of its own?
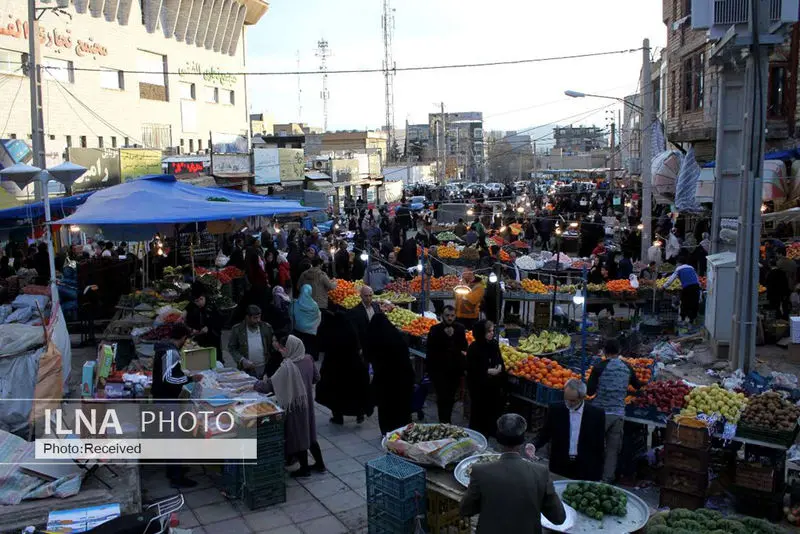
column 792, row 153
column 161, row 199
column 35, row 210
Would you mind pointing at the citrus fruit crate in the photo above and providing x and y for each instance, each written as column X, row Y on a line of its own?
column 767, row 435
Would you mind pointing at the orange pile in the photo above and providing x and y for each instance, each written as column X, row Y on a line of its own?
column 342, row 290
column 504, row 256
column 448, row 252
column 516, row 228
column 445, row 283
column 544, row 371
column 620, row 286
column 470, row 337
column 420, row 326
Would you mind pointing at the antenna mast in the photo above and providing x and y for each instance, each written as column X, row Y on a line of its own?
column 323, row 53
column 299, row 92
column 387, row 21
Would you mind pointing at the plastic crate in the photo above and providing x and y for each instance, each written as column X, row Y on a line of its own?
column 675, row 499
column 261, row 476
column 256, row 498
column 547, row 395
column 685, row 459
column 231, row 480
column 763, row 505
column 396, row 477
column 779, row 437
column 379, row 522
column 399, row 509
column 270, row 429
column 685, row 482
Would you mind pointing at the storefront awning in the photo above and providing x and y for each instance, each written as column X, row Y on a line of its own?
column 358, row 183
column 323, row 186
column 314, row 175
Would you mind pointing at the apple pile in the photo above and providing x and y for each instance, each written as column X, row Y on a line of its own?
column 665, row 395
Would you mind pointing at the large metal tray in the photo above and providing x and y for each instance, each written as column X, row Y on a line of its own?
column 636, row 518
column 477, row 436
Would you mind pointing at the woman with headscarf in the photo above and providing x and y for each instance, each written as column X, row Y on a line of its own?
column 293, row 384
column 306, row 318
column 393, row 376
column 485, row 377
column 408, row 254
column 344, row 384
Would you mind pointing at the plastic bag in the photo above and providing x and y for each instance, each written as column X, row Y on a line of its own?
column 31, row 301
column 168, row 315
column 20, row 315
column 222, row 260
column 17, row 338
column 634, row 281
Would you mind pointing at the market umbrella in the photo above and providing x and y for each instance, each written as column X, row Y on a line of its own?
column 20, row 174
column 66, row 173
column 666, row 167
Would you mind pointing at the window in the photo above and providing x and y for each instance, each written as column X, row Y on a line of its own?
column 776, row 97
column 83, row 141
column 112, row 79
column 182, row 143
column 52, row 137
column 657, row 96
column 212, row 95
column 113, row 142
column 228, row 97
column 152, row 76
column 673, row 97
column 191, row 145
column 687, row 8
column 694, row 82
column 100, row 142
column 59, row 69
column 69, row 141
column 200, row 145
column 11, row 61
column 13, row 136
column 127, row 142
column 187, row 91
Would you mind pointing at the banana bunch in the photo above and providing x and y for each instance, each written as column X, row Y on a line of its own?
column 545, row 343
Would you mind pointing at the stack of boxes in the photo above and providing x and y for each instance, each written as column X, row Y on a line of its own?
column 686, row 462
column 794, row 346
column 395, row 495
column 759, row 482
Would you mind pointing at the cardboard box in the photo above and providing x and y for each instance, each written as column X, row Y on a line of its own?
column 199, row 359
column 88, row 379
column 794, row 353
column 106, row 355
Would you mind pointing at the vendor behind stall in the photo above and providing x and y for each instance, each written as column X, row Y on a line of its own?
column 250, row 344
column 468, row 306
column 201, row 320
column 690, row 288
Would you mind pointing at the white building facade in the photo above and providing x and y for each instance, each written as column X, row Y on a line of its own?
column 151, row 73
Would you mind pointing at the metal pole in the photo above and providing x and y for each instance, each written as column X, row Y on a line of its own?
column 443, row 170
column 646, row 175
column 611, row 163
column 583, row 325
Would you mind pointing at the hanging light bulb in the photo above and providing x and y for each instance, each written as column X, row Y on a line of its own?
column 502, row 228
column 336, row 226
column 640, row 227
column 364, row 256
column 763, row 208
column 470, row 212
column 656, row 243
column 333, row 251
column 419, row 267
column 558, row 231
column 160, row 252
column 461, row 289
column 74, row 229
column 573, row 224
column 578, row 298
column 521, row 209
column 492, row 278
column 528, row 204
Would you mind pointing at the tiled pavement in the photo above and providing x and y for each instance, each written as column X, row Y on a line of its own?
column 329, row 503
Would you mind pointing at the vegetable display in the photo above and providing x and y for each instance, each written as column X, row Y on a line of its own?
column 544, row 371
column 342, row 290
column 772, row 411
column 664, row 395
column 681, row 521
column 420, row 326
column 447, row 236
column 400, row 317
column 534, row 286
column 448, row 252
column 596, row 500
column 793, row 251
column 544, row 343
column 432, row 432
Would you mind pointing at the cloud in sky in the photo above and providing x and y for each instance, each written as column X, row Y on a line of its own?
column 439, row 32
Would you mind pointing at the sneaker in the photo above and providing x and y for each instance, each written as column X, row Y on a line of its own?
column 183, row 482
column 337, row 420
column 301, row 473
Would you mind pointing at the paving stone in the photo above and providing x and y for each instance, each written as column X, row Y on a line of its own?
column 355, row 519
column 231, row 526
column 267, row 519
column 367, row 457
column 333, row 454
column 323, row 525
column 324, row 444
column 203, row 497
column 324, row 488
column 298, row 494
column 359, row 449
column 215, row 513
column 355, row 480
column 187, row 519
column 344, row 467
column 288, row 529
column 342, row 501
column 305, row 511
column 346, row 439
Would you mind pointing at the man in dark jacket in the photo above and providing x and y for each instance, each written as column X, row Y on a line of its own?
column 446, row 360
column 168, row 382
column 575, row 431
column 342, row 261
column 361, row 315
column 511, row 494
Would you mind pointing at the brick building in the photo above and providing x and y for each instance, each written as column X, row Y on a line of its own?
column 185, row 50
column 690, row 84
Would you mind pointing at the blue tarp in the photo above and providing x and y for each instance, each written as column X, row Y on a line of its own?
column 793, row 153
column 35, row 210
column 161, row 199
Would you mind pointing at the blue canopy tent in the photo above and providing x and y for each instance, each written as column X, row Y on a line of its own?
column 792, row 153
column 137, row 209
column 58, row 207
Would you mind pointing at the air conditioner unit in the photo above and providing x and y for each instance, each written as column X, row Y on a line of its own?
column 721, row 14
column 318, row 164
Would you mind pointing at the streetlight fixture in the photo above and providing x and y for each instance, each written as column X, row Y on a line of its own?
column 492, row 278
column 577, row 94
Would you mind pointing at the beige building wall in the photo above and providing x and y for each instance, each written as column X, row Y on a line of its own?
column 84, row 106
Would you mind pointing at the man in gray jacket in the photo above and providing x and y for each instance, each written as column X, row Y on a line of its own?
column 511, row 494
column 250, row 344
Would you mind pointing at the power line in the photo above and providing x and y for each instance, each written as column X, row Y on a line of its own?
column 367, row 71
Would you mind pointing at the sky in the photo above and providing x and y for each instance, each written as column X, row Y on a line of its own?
column 523, row 97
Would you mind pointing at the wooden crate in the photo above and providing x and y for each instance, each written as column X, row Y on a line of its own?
column 686, row 459
column 688, row 437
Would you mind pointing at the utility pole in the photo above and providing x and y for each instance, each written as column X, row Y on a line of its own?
column 299, row 92
column 35, row 76
column 387, row 21
column 611, row 162
column 408, row 158
column 323, row 53
column 443, row 170
column 646, row 175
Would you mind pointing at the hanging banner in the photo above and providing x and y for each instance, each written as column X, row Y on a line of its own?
column 135, row 162
column 222, row 143
column 102, row 164
column 231, row 165
column 267, row 168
